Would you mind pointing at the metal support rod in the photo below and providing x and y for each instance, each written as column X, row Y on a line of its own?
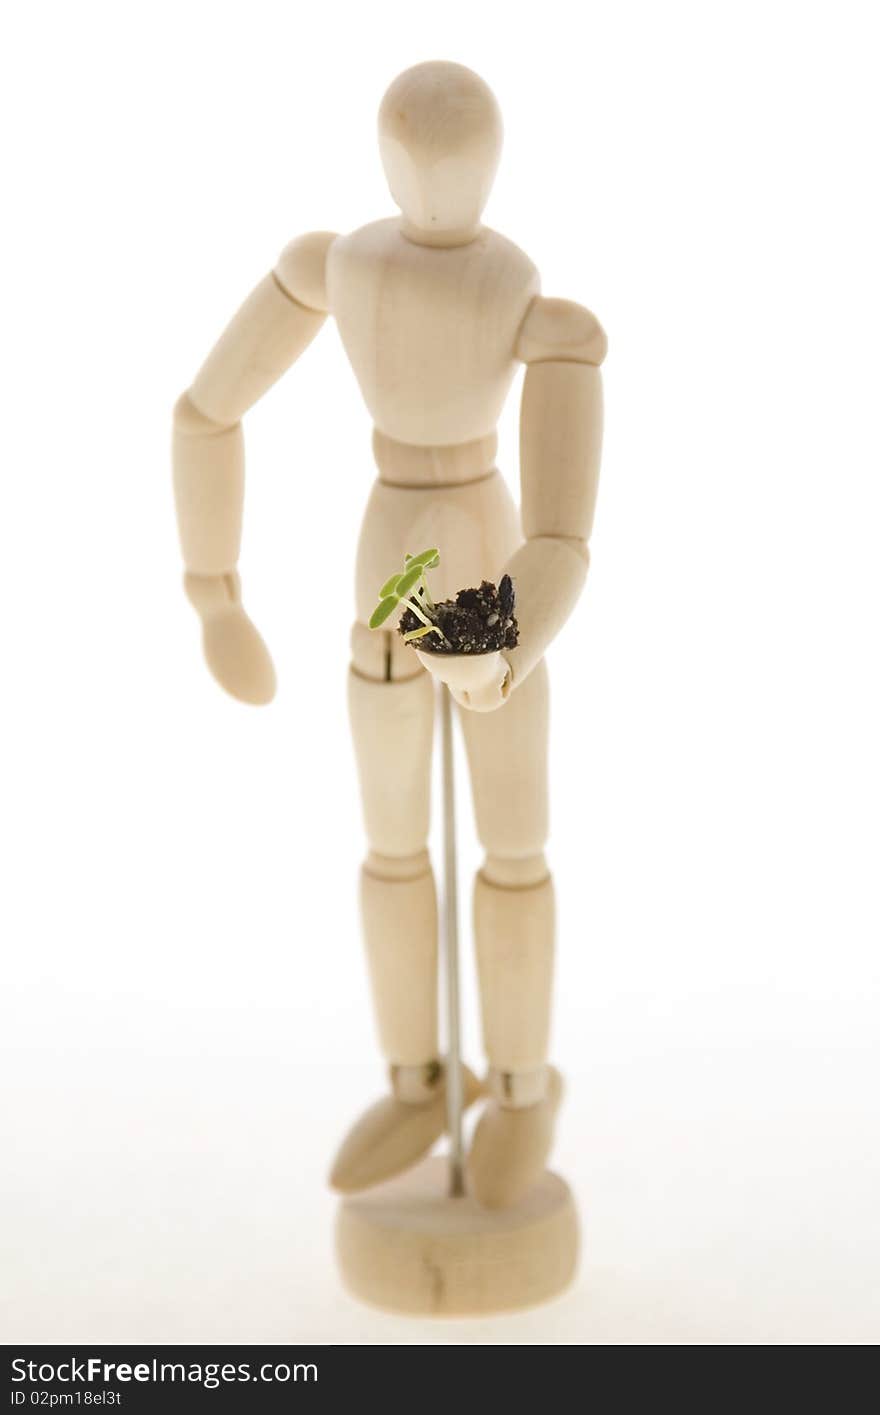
column 454, row 1106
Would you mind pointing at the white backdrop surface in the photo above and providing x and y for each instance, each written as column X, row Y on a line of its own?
column 185, row 1029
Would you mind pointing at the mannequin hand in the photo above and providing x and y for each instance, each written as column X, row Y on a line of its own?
column 480, row 682
column 235, row 653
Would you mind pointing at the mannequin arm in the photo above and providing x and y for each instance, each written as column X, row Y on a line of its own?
column 560, row 446
column 270, row 331
column 560, row 442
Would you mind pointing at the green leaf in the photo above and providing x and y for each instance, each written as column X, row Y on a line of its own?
column 420, row 633
column 426, row 558
column 409, row 578
column 389, row 587
column 382, row 610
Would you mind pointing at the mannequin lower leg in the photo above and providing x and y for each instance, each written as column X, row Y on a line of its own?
column 399, row 914
column 514, row 929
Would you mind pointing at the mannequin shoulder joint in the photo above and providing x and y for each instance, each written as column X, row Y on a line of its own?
column 560, row 330
column 301, row 270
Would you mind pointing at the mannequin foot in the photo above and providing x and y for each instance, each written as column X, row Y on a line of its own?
column 511, row 1147
column 399, row 1130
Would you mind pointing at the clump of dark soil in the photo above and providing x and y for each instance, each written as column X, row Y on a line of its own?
column 476, row 621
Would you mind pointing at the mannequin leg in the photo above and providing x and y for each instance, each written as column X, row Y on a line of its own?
column 391, row 706
column 391, row 703
column 514, row 930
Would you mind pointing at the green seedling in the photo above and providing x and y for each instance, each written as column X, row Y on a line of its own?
column 409, row 590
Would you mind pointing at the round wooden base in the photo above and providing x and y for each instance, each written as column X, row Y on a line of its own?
column 407, row 1247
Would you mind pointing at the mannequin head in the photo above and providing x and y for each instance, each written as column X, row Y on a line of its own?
column 440, row 138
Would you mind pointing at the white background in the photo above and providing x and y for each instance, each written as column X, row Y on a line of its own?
column 185, row 1025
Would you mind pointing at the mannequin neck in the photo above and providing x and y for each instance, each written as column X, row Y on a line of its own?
column 425, row 236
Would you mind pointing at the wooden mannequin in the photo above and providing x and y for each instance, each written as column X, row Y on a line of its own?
column 434, row 311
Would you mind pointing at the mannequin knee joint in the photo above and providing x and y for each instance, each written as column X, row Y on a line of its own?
column 519, row 873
